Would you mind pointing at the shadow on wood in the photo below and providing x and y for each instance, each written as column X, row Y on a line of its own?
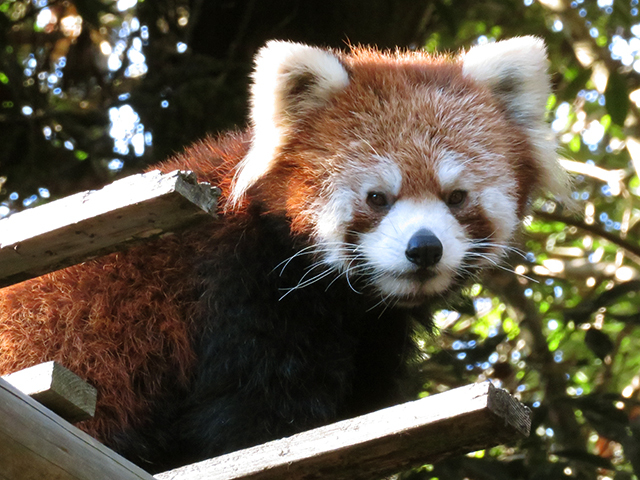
column 58, row 389
column 93, row 223
column 462, row 420
column 35, row 443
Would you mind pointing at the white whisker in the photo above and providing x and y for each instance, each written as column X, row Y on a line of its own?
column 305, row 283
column 494, row 262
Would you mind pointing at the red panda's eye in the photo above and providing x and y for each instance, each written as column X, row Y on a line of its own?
column 377, row 200
column 456, row 198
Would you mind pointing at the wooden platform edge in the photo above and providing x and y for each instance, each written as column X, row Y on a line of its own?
column 58, row 389
column 97, row 222
column 37, row 443
column 458, row 421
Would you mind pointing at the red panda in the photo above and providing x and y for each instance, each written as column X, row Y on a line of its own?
column 367, row 186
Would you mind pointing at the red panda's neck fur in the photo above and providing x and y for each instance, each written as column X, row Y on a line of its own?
column 212, row 160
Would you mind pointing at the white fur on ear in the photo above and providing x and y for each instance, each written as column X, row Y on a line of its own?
column 515, row 71
column 289, row 80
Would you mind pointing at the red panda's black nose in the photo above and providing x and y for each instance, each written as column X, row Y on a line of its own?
column 424, row 249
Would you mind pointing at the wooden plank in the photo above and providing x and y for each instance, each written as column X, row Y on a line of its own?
column 35, row 443
column 382, row 443
column 58, row 389
column 88, row 224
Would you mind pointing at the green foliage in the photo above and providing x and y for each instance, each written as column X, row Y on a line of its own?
column 617, row 97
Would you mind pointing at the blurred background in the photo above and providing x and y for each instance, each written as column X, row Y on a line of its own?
column 97, row 89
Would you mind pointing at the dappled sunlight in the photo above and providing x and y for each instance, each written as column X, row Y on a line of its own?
column 120, row 41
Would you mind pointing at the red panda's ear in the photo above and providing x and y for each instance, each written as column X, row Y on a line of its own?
column 515, row 71
column 289, row 81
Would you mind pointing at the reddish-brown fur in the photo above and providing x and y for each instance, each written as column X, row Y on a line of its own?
column 460, row 115
column 105, row 320
column 121, row 321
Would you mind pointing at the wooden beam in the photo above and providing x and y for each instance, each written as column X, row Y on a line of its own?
column 35, row 443
column 58, row 389
column 93, row 223
column 459, row 421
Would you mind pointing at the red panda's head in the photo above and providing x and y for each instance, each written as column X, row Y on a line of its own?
column 405, row 170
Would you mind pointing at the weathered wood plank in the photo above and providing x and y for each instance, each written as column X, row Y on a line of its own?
column 58, row 389
column 384, row 442
column 37, row 444
column 88, row 224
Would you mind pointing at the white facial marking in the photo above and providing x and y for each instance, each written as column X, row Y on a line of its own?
column 336, row 212
column 449, row 171
column 331, row 224
column 384, row 248
column 385, row 176
column 501, row 209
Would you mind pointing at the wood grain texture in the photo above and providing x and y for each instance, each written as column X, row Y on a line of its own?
column 58, row 389
column 93, row 223
column 462, row 420
column 37, row 444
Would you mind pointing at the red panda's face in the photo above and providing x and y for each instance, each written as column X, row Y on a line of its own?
column 419, row 189
column 409, row 173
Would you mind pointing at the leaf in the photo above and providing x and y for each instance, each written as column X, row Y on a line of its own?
column 609, row 421
column 617, row 98
column 598, row 342
column 582, row 312
column 576, row 82
column 464, row 305
column 575, row 144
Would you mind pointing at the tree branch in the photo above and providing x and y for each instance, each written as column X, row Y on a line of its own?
column 631, row 248
column 561, row 412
